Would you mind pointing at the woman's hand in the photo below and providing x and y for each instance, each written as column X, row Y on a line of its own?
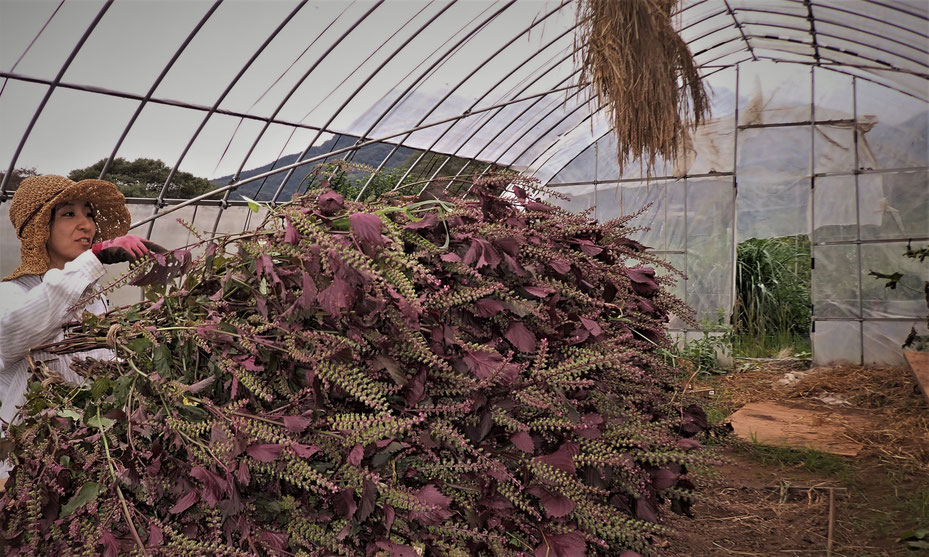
column 123, row 249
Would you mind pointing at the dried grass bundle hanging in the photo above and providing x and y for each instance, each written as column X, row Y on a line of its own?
column 644, row 72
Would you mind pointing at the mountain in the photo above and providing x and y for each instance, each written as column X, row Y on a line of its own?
column 263, row 189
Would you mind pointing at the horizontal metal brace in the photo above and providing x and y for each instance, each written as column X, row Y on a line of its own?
column 871, row 241
column 872, row 171
column 863, row 319
column 791, row 124
column 167, row 102
column 166, row 202
column 631, row 180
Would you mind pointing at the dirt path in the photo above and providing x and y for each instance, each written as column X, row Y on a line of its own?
column 758, row 502
column 753, row 508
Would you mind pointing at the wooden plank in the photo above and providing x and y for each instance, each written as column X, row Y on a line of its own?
column 795, row 425
column 919, row 363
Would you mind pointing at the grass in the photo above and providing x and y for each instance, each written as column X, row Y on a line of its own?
column 772, row 307
column 810, row 460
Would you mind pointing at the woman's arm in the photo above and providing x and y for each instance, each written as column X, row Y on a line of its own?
column 34, row 317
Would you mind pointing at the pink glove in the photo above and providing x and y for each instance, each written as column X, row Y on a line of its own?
column 125, row 248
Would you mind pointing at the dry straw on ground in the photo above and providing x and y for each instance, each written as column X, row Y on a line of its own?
column 897, row 411
column 643, row 71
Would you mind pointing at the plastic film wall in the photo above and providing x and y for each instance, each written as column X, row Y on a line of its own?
column 790, row 150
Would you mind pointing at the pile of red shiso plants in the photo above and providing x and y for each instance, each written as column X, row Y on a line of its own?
column 397, row 378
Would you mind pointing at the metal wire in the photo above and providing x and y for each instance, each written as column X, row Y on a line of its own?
column 358, row 89
column 48, row 94
column 310, row 160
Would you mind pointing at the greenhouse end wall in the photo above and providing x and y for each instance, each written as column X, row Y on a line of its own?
column 813, row 152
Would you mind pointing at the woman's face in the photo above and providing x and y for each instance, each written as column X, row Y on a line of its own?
column 71, row 233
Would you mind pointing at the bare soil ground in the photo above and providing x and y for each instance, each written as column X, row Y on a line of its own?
column 759, row 501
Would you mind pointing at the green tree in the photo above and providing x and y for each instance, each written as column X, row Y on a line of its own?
column 145, row 178
column 17, row 176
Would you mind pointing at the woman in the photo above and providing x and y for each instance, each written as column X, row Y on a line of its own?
column 67, row 230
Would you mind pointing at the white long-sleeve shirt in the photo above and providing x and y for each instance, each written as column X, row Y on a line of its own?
column 33, row 310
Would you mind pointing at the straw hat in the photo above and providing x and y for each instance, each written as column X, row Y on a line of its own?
column 31, row 214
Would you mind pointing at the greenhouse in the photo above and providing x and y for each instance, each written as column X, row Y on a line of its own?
column 810, row 163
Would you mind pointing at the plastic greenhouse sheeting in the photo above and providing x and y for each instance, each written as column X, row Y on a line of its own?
column 819, row 121
column 797, row 171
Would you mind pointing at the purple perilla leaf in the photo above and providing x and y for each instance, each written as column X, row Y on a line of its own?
column 589, row 426
column 110, row 545
column 521, row 337
column 560, row 266
column 274, row 540
column 523, row 441
column 264, row 266
column 291, row 235
column 688, row 444
column 482, row 253
column 513, row 265
column 477, row 433
column 338, row 296
column 157, row 305
column 537, row 206
column 588, row 247
column 437, row 506
column 508, row 245
column 646, row 510
column 368, row 499
column 563, row 458
column 647, row 306
column 355, row 455
column 488, row 307
column 155, row 534
column 213, row 486
column 643, row 281
column 201, row 384
column 591, row 326
column 296, row 424
column 397, row 550
column 693, row 420
column 556, row 505
column 571, row 544
column 539, row 291
column 308, row 297
column 344, row 503
column 428, row 221
column 242, row 474
column 416, row 389
column 663, row 478
column 264, row 452
column 185, row 502
column 248, row 363
column 482, row 364
column 367, row 228
column 330, row 202
column 631, row 245
column 304, row 451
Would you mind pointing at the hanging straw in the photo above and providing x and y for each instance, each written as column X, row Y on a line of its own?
column 644, row 72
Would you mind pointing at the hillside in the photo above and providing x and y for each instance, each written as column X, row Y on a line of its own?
column 263, row 190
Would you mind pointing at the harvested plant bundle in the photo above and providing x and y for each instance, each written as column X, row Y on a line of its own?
column 643, row 72
column 398, row 378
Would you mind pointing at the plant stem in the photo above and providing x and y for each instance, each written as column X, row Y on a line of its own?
column 119, row 492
